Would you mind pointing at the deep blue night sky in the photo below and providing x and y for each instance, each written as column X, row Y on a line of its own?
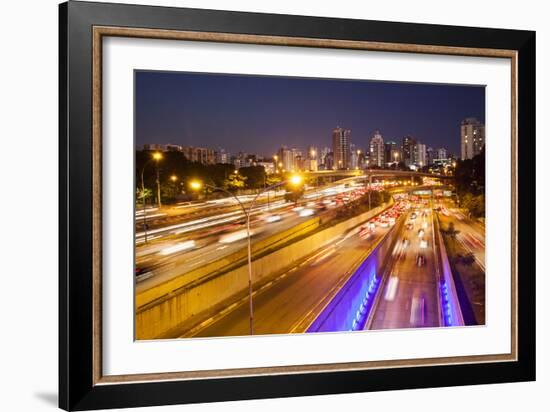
column 258, row 114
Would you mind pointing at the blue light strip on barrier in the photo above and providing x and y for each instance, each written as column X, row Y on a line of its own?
column 364, row 309
column 448, row 317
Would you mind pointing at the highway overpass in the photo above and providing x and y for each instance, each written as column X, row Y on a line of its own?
column 376, row 173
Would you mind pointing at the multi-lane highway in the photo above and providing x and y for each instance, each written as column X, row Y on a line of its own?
column 283, row 305
column 469, row 233
column 195, row 242
column 410, row 294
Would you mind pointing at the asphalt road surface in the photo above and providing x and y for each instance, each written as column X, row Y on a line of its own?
column 282, row 305
column 410, row 296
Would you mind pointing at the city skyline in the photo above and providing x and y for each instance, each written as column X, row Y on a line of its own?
column 274, row 205
column 257, row 114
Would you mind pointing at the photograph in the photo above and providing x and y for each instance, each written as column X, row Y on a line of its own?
column 273, row 205
column 262, row 205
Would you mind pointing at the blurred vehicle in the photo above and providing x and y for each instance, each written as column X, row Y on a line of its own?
column 420, row 232
column 273, row 218
column 423, row 243
column 383, row 223
column 420, row 260
column 424, row 225
column 409, row 226
column 178, row 247
column 235, row 236
column 405, row 243
column 143, row 273
column 413, row 216
column 365, row 232
column 417, row 310
column 306, row 212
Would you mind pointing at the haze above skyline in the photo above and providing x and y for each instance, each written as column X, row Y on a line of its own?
column 258, row 114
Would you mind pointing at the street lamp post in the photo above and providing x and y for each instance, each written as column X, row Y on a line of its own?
column 294, row 180
column 174, row 179
column 156, row 157
column 158, row 185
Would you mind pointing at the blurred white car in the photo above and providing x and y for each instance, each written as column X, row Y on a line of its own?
column 235, row 236
column 273, row 218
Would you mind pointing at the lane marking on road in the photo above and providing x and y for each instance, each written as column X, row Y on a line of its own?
column 232, row 306
column 323, row 256
column 197, row 262
column 266, row 285
column 149, row 238
column 198, row 328
column 391, row 289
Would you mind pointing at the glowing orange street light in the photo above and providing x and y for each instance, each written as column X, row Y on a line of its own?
column 195, row 184
column 296, row 180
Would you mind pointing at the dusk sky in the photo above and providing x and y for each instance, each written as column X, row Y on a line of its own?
column 258, row 114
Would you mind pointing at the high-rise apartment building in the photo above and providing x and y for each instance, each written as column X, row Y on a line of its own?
column 286, row 159
column 391, row 152
column 376, row 148
column 420, row 155
column 472, row 137
column 329, row 161
column 312, row 163
column 440, row 153
column 430, row 156
column 222, row 156
column 298, row 160
column 323, row 157
column 408, row 149
column 341, row 147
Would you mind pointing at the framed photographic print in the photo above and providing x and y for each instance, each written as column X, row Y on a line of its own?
column 258, row 205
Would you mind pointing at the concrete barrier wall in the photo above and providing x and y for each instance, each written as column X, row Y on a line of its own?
column 199, row 299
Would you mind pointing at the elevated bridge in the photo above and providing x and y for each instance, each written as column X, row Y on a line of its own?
column 369, row 173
